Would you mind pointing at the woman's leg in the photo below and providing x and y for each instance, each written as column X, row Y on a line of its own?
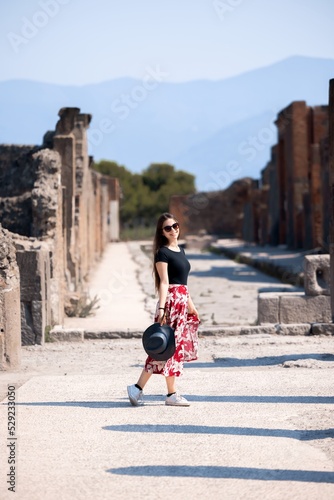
column 143, row 379
column 135, row 392
column 174, row 399
column 171, row 384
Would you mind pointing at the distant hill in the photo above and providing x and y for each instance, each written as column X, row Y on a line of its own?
column 204, row 127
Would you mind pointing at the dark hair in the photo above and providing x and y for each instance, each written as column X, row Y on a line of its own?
column 159, row 241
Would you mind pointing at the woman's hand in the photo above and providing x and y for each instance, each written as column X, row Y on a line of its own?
column 192, row 310
column 162, row 317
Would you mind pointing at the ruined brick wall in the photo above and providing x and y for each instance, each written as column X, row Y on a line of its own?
column 62, row 214
column 271, row 202
column 325, row 191
column 30, row 206
column 252, row 214
column 289, row 207
column 318, row 132
column 300, row 129
column 293, row 159
column 219, row 212
column 17, row 177
column 87, row 198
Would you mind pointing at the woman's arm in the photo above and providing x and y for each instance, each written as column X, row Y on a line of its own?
column 163, row 289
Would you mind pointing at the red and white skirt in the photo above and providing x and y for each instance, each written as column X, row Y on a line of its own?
column 185, row 329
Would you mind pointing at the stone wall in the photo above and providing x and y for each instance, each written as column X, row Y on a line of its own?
column 61, row 214
column 287, row 205
column 325, row 190
column 299, row 176
column 10, row 333
column 219, row 212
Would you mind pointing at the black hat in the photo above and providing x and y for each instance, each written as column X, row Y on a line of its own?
column 159, row 341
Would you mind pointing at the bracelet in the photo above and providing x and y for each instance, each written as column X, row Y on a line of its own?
column 162, row 308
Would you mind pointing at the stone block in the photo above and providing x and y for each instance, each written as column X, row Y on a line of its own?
column 38, row 311
column 28, row 336
column 237, row 330
column 268, row 308
column 61, row 335
column 34, row 268
column 33, row 322
column 293, row 329
column 304, row 309
column 257, row 330
column 322, row 329
column 118, row 334
column 316, row 275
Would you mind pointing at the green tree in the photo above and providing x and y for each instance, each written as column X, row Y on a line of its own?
column 145, row 196
column 164, row 181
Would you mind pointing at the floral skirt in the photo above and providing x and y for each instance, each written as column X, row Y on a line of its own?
column 185, row 329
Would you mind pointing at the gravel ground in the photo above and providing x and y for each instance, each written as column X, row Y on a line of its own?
column 260, row 422
column 239, row 354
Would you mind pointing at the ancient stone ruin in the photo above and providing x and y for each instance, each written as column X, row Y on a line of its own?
column 287, row 206
column 59, row 215
column 309, row 307
column 10, row 324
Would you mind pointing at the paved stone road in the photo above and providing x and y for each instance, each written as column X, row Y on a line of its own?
column 260, row 424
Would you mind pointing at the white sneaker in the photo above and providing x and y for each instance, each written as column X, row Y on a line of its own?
column 136, row 396
column 176, row 400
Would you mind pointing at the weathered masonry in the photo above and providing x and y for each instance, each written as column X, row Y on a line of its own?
column 59, row 215
column 288, row 204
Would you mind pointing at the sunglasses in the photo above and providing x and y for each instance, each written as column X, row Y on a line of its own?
column 175, row 226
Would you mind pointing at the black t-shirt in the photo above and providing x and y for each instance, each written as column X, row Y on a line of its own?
column 178, row 266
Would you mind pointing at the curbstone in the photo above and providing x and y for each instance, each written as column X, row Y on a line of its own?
column 268, row 308
column 293, row 329
column 304, row 309
column 89, row 335
column 68, row 335
column 322, row 329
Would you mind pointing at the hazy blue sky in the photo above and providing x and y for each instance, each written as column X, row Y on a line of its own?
column 88, row 41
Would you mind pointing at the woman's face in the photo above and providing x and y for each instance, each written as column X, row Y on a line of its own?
column 171, row 230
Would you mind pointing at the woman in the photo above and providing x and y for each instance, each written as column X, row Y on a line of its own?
column 175, row 307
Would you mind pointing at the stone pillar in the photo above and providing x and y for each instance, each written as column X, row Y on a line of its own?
column 315, row 197
column 10, row 319
column 64, row 145
column 47, row 225
column 274, row 199
column 293, row 167
column 331, row 187
column 325, row 192
column 34, row 265
column 83, row 198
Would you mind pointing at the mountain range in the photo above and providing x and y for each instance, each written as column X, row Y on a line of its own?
column 217, row 130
